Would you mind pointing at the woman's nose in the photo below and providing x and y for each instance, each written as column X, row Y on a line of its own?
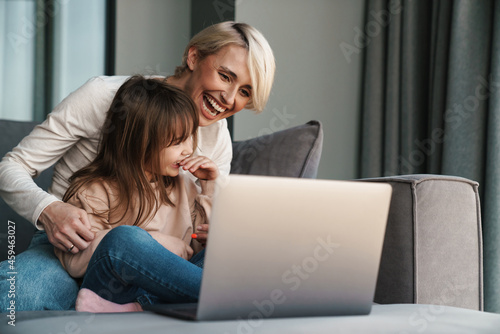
column 228, row 96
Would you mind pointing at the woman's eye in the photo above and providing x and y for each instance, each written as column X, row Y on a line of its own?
column 245, row 93
column 224, row 77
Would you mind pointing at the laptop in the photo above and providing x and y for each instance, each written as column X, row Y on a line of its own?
column 290, row 247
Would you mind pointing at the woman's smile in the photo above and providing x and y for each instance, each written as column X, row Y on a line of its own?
column 211, row 106
column 220, row 83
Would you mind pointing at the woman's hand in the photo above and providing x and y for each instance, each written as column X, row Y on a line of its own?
column 201, row 167
column 173, row 244
column 67, row 227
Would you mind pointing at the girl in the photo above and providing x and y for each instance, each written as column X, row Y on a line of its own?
column 141, row 209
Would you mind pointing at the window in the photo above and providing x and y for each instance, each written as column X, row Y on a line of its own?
column 17, row 65
column 50, row 48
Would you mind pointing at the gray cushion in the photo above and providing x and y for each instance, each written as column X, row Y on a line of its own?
column 293, row 152
column 397, row 319
column 11, row 133
column 432, row 250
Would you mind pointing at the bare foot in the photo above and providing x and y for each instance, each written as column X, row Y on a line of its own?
column 88, row 301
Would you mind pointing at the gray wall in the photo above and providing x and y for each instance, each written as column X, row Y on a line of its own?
column 151, row 35
column 314, row 80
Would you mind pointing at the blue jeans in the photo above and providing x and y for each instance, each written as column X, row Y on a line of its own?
column 40, row 282
column 129, row 265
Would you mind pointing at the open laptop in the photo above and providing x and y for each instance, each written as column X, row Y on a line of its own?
column 285, row 247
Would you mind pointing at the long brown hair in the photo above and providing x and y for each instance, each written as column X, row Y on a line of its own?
column 145, row 116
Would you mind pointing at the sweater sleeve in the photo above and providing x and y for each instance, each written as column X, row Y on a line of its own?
column 95, row 200
column 214, row 142
column 78, row 116
column 224, row 150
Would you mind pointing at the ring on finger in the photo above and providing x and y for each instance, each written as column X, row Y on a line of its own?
column 71, row 248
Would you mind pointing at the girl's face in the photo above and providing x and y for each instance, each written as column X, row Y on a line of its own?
column 219, row 84
column 172, row 155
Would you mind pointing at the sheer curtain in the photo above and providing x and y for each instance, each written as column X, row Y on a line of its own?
column 17, row 59
column 79, row 45
column 431, row 102
column 49, row 48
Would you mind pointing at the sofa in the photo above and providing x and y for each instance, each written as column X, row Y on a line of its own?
column 430, row 275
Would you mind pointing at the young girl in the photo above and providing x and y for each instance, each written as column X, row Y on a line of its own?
column 142, row 210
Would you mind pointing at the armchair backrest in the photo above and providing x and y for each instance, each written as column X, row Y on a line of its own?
column 11, row 133
column 293, row 152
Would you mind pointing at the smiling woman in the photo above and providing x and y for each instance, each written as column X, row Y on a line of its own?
column 258, row 60
column 225, row 68
column 220, row 84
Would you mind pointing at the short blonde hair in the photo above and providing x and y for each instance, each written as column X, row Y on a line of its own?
column 261, row 64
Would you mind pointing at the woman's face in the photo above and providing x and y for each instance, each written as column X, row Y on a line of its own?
column 219, row 84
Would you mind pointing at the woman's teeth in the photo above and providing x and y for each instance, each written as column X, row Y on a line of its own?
column 214, row 105
column 208, row 110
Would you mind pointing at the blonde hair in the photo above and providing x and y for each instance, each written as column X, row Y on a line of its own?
column 261, row 64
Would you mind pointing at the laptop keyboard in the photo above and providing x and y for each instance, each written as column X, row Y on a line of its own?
column 183, row 311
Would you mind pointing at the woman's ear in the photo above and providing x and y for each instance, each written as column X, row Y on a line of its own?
column 192, row 57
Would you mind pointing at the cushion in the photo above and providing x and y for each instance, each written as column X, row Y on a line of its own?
column 396, row 318
column 432, row 251
column 293, row 152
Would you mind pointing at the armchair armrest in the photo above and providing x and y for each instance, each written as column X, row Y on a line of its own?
column 432, row 250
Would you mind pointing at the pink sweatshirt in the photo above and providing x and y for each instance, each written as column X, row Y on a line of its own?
column 179, row 221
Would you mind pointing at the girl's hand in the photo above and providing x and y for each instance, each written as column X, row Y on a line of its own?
column 201, row 167
column 201, row 234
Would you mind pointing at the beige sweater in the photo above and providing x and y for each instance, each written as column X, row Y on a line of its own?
column 69, row 138
column 179, row 221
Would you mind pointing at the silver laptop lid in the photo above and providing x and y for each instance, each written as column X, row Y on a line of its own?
column 283, row 247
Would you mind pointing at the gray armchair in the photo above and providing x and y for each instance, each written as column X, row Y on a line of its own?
column 432, row 250
column 432, row 254
column 294, row 153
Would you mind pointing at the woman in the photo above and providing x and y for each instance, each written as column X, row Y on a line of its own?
column 225, row 68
